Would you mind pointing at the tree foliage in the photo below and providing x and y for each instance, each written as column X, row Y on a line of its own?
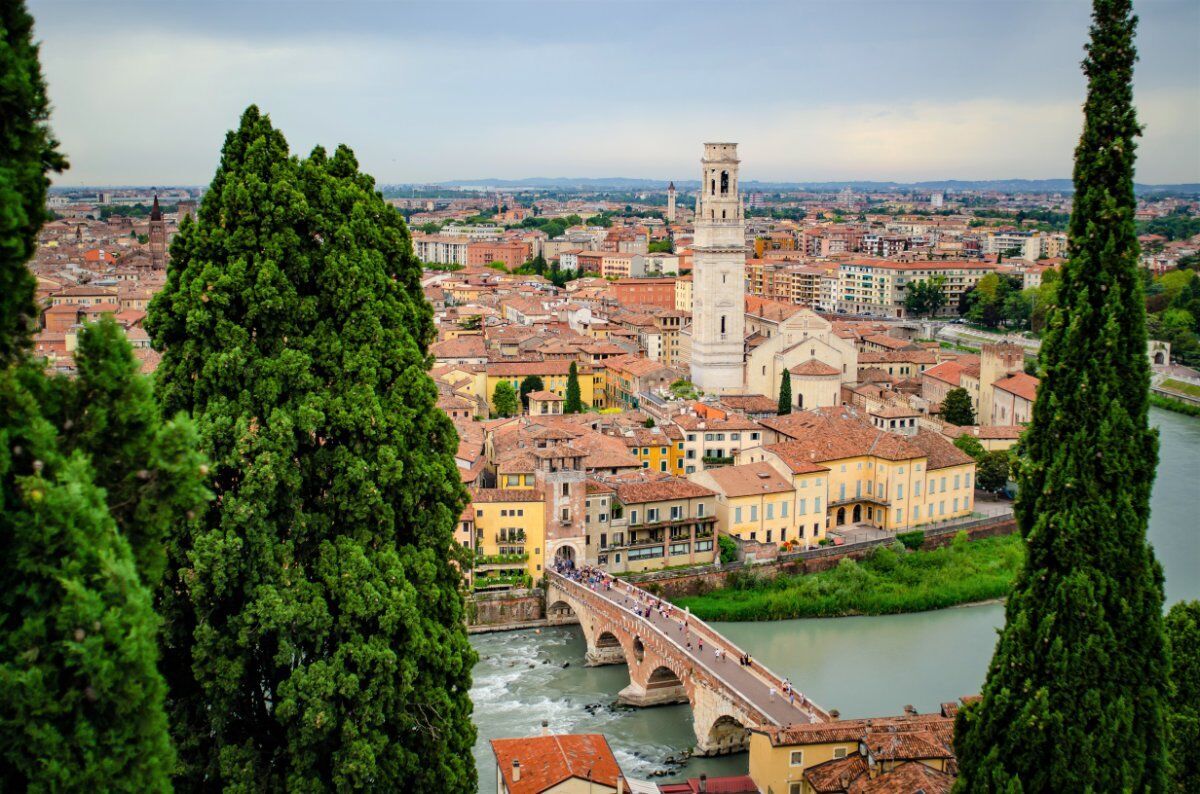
column 316, row 635
column 504, row 399
column 970, row 445
column 83, row 700
column 1076, row 692
column 785, row 394
column 573, row 403
column 926, row 297
column 1183, row 632
column 956, row 408
column 28, row 153
column 992, row 470
column 531, row 383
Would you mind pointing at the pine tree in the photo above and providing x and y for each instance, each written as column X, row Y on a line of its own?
column 318, row 637
column 956, row 408
column 28, row 152
column 505, row 400
column 1076, row 691
column 1183, row 632
column 785, row 394
column 573, row 404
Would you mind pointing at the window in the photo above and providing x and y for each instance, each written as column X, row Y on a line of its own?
column 842, row 490
column 943, row 485
column 817, row 505
column 521, row 512
column 803, row 507
column 754, row 436
column 968, row 479
column 676, row 512
column 651, row 515
column 737, row 515
column 795, row 788
column 917, row 488
column 771, row 511
column 566, row 489
column 899, row 491
column 662, row 465
column 797, row 758
column 633, row 516
column 735, row 436
column 843, row 467
column 503, row 513
column 955, row 510
column 942, row 507
column 704, row 545
column 783, row 510
column 753, row 512
column 956, row 482
column 899, row 515
column 839, row 752
column 679, row 548
column 700, row 510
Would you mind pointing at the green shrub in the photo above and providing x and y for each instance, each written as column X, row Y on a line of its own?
column 728, row 549
column 912, row 540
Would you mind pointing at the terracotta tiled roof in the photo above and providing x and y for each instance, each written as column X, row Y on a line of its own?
column 544, row 395
column 522, row 368
column 486, row 495
column 697, row 423
column 992, row 432
column 548, row 761
column 890, row 342
column 814, row 368
column 750, row 403
column 1022, row 385
column 749, row 479
column 460, row 347
column 836, row 433
column 913, row 356
column 939, row 452
column 906, row 778
column 834, row 777
column 641, row 488
column 947, row 372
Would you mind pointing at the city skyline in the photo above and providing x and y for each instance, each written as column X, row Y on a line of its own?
column 966, row 91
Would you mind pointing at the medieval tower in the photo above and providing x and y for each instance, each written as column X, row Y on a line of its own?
column 671, row 203
column 158, row 238
column 718, row 275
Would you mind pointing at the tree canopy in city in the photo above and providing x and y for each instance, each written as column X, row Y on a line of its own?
column 957, row 409
column 926, row 297
column 785, row 394
column 505, row 400
column 1076, row 693
column 315, row 624
column 530, row 383
column 572, row 404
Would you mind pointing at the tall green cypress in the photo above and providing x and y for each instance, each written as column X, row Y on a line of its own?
column 318, row 639
column 28, row 153
column 785, row 394
column 572, row 403
column 150, row 469
column 81, row 699
column 81, row 702
column 1075, row 694
column 1183, row 633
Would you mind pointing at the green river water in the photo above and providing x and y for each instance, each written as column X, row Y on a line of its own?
column 861, row 666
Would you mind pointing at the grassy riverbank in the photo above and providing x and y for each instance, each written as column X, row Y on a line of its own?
column 886, row 583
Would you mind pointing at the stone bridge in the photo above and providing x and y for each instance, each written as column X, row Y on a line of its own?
column 726, row 698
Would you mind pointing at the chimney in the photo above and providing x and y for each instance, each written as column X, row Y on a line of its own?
column 910, row 710
column 834, row 714
column 516, row 771
column 703, row 783
column 545, row 727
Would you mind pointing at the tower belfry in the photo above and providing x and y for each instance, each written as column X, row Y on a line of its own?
column 718, row 275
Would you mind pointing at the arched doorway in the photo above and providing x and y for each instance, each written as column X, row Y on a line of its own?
column 841, row 516
column 565, row 553
column 857, row 513
column 1160, row 358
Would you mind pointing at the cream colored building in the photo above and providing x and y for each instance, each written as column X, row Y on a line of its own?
column 754, row 501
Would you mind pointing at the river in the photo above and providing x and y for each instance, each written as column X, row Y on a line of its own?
column 861, row 666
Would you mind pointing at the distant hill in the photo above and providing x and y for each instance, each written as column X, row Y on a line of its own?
column 950, row 185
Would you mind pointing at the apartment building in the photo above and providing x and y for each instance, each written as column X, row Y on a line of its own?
column 877, row 287
column 441, row 249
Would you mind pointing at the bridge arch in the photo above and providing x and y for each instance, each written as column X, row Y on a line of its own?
column 561, row 611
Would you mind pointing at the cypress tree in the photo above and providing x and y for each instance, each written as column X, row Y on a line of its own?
column 28, row 152
column 1075, row 694
column 81, row 700
column 318, row 637
column 785, row 394
column 82, row 703
column 572, row 404
column 1183, row 633
column 151, row 470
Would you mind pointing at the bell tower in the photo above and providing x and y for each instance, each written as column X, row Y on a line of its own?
column 158, row 238
column 671, row 203
column 718, row 275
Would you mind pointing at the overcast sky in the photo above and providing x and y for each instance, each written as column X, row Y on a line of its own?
column 907, row 90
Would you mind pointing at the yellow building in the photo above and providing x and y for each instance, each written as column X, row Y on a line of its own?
column 683, row 294
column 510, row 532
column 892, row 481
column 913, row 752
column 754, row 501
column 554, row 374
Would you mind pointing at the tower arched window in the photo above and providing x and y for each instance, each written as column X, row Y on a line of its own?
column 724, row 182
column 722, row 325
column 712, row 186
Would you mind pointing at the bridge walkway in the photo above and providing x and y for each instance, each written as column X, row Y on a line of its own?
column 753, row 684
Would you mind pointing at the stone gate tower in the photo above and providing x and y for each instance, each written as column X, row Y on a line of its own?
column 718, row 275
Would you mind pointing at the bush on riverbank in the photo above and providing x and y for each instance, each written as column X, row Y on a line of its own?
column 1178, row 406
column 891, row 580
